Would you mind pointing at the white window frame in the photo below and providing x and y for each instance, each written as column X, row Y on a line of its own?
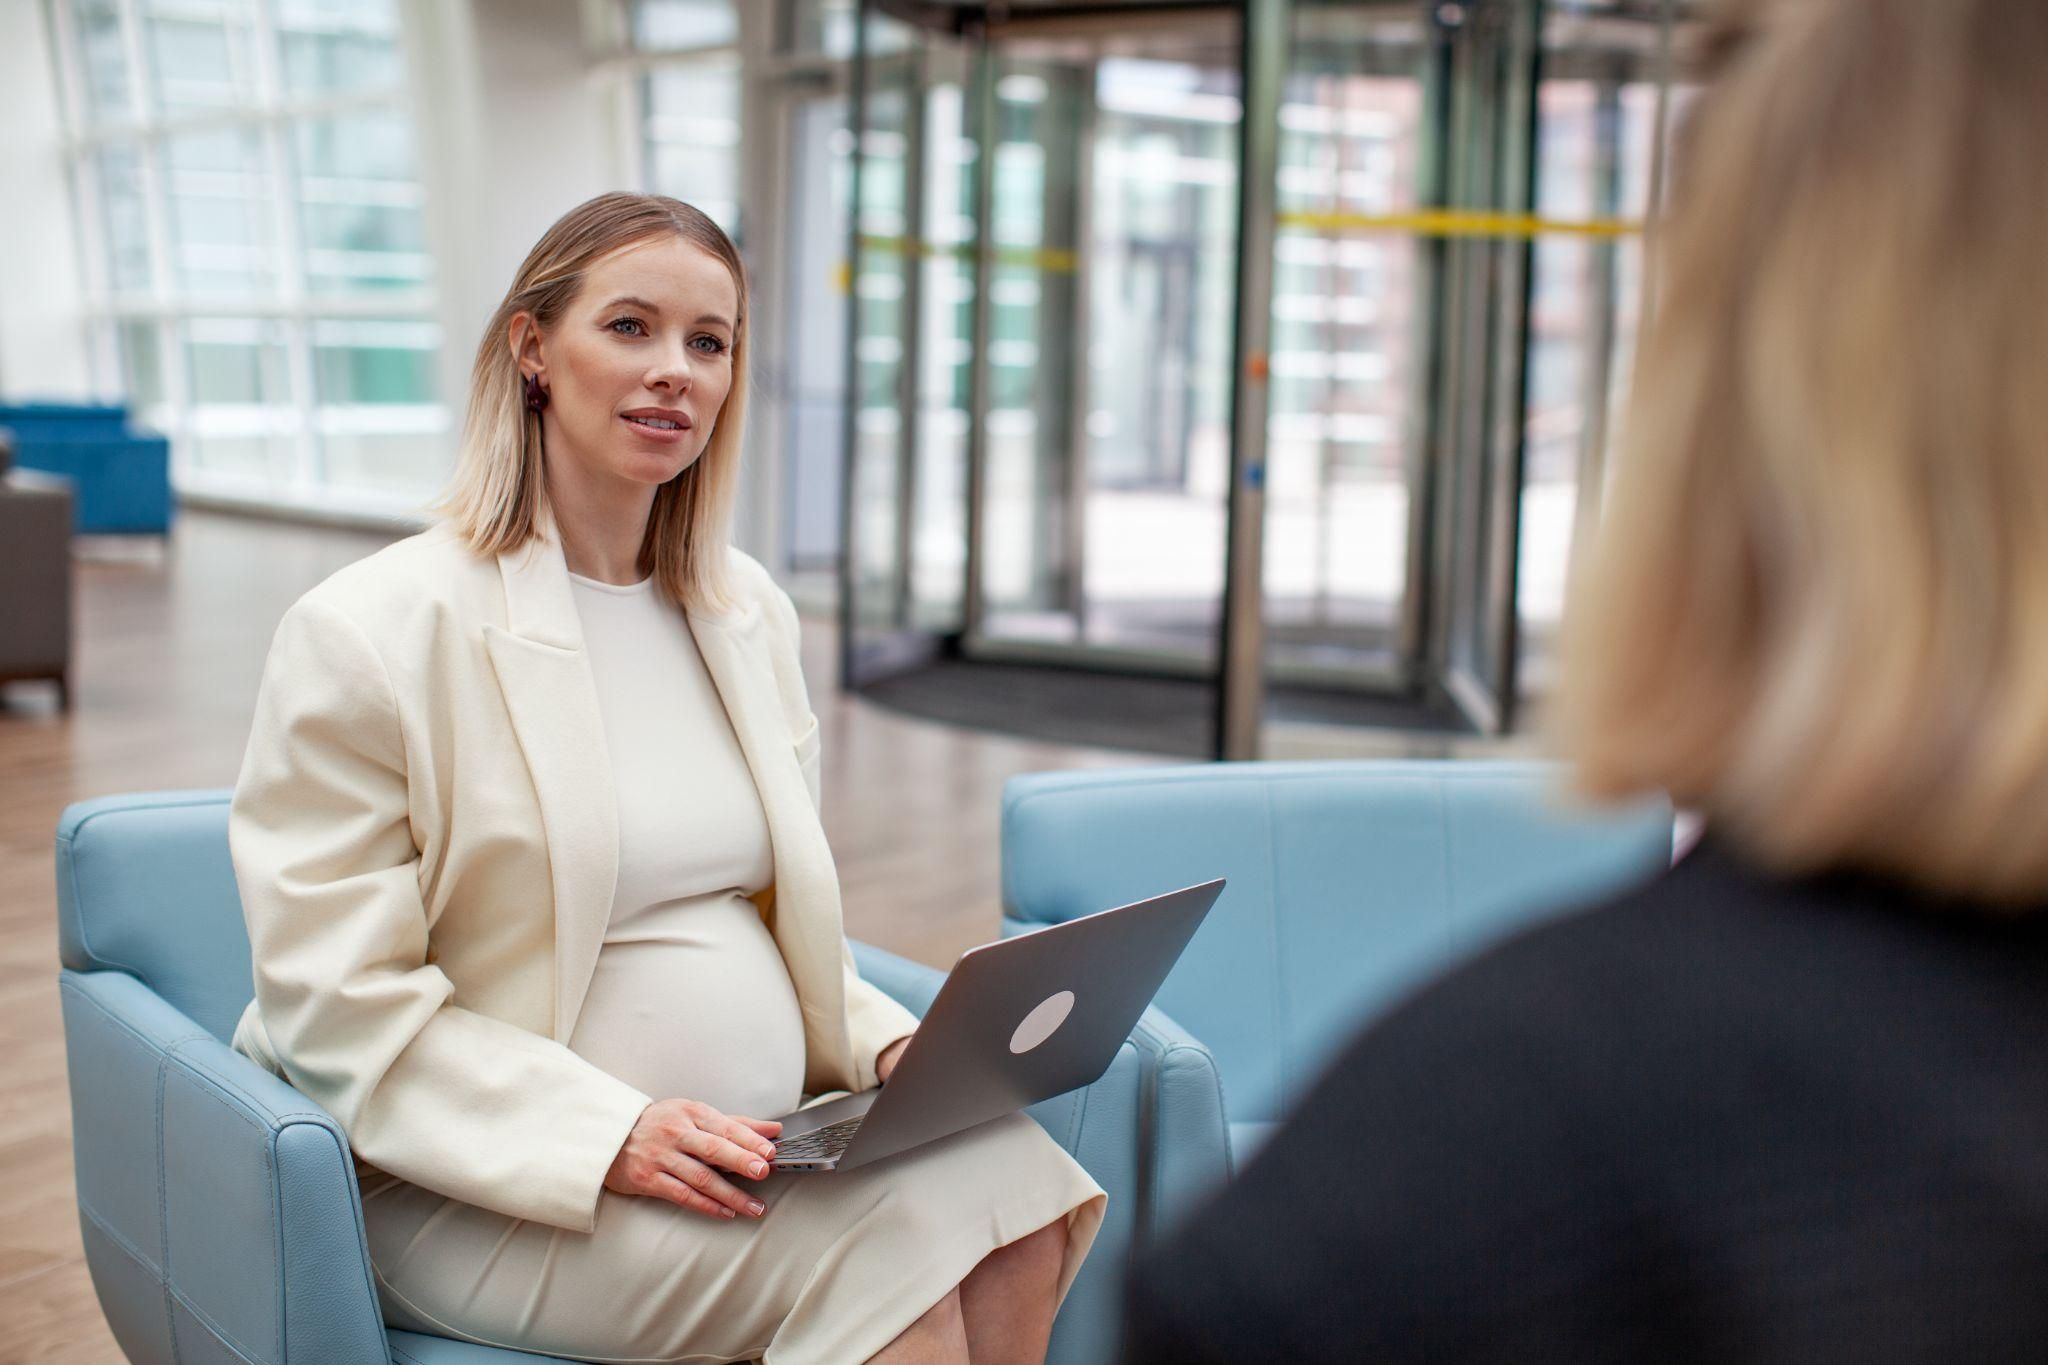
column 271, row 117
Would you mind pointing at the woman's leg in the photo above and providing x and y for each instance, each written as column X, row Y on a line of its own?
column 937, row 1338
column 1009, row 1298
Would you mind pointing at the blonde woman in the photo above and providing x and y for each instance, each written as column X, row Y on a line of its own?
column 1789, row 1103
column 540, row 906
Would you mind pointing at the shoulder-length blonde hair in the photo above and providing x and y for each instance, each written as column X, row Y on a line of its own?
column 1817, row 607
column 498, row 498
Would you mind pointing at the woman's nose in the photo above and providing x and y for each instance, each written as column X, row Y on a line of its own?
column 671, row 370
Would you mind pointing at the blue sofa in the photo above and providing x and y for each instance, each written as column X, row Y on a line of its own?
column 121, row 479
column 219, row 1207
column 1350, row 884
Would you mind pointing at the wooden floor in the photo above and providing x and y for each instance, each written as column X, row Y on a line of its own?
column 168, row 652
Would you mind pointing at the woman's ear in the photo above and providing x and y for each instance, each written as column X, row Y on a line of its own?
column 522, row 335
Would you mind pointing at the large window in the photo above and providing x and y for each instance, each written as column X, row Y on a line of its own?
column 256, row 261
column 689, row 103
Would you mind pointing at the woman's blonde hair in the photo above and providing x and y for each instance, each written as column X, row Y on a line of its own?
column 1817, row 608
column 498, row 498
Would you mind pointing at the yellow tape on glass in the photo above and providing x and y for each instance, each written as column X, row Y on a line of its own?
column 1419, row 222
column 1460, row 223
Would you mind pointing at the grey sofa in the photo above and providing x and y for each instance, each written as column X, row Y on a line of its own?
column 35, row 575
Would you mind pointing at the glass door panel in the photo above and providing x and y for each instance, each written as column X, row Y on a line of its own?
column 876, row 636
column 1113, row 212
column 1475, row 447
column 814, row 320
column 917, row 240
column 937, row 548
column 1161, row 241
column 1030, row 522
column 1347, row 365
column 1596, row 113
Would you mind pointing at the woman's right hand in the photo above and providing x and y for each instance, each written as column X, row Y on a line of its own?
column 675, row 1144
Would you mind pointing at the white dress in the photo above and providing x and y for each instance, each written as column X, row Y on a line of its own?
column 690, row 999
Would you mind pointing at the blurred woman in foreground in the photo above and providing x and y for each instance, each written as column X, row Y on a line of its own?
column 1790, row 1102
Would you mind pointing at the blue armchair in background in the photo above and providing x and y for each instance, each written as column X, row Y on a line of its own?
column 1350, row 884
column 219, row 1207
column 121, row 479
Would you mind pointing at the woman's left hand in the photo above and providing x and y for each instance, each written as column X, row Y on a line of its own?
column 886, row 1063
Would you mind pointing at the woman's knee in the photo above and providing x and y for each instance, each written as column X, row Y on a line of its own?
column 1048, row 1245
column 939, row 1335
column 1034, row 1257
column 946, row 1315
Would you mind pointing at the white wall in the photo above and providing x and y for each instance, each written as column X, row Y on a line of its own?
column 520, row 118
column 43, row 341
column 514, row 128
column 757, row 521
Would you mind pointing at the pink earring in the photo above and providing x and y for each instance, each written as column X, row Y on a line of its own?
column 536, row 396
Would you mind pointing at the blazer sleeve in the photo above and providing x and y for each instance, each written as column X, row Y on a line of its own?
column 873, row 1018
column 358, row 1015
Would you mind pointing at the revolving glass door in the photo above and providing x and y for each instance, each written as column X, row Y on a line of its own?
column 1066, row 382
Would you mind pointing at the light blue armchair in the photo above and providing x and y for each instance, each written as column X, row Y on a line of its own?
column 219, row 1207
column 1350, row 884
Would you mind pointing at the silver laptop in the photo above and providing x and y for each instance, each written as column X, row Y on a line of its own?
column 1016, row 1022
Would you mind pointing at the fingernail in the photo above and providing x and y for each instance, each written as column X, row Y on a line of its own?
column 727, row 1212
column 757, row 1208
column 758, row 1169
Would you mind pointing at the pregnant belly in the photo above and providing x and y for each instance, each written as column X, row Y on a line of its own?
column 691, row 1001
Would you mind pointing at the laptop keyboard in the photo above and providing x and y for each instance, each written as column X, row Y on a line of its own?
column 830, row 1140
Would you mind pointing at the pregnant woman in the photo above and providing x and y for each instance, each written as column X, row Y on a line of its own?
column 540, row 905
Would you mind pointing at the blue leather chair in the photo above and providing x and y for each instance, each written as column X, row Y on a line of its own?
column 121, row 478
column 1350, row 884
column 219, row 1207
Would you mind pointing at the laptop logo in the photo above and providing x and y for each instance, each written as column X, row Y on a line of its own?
column 1043, row 1021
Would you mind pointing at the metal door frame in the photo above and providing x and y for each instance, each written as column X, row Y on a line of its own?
column 902, row 646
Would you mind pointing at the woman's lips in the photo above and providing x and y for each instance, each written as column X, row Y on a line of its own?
column 658, row 433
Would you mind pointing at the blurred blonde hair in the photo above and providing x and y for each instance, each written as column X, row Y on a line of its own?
column 498, row 498
column 1817, row 608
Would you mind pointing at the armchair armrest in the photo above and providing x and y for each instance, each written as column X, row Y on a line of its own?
column 1188, row 1147
column 1187, row 1142
column 219, row 1206
column 1101, row 1127
column 910, row 984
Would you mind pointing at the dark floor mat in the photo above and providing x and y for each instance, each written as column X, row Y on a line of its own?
column 1119, row 711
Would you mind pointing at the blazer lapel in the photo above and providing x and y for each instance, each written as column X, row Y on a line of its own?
column 552, row 698
column 806, row 923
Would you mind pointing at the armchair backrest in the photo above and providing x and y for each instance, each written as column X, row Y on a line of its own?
column 1350, row 884
column 34, row 422
column 145, row 886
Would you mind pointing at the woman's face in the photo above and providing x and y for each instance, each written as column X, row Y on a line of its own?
column 638, row 366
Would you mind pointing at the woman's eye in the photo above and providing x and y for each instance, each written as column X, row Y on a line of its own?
column 628, row 327
column 716, row 347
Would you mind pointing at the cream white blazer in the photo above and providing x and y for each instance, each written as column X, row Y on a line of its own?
column 425, row 835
